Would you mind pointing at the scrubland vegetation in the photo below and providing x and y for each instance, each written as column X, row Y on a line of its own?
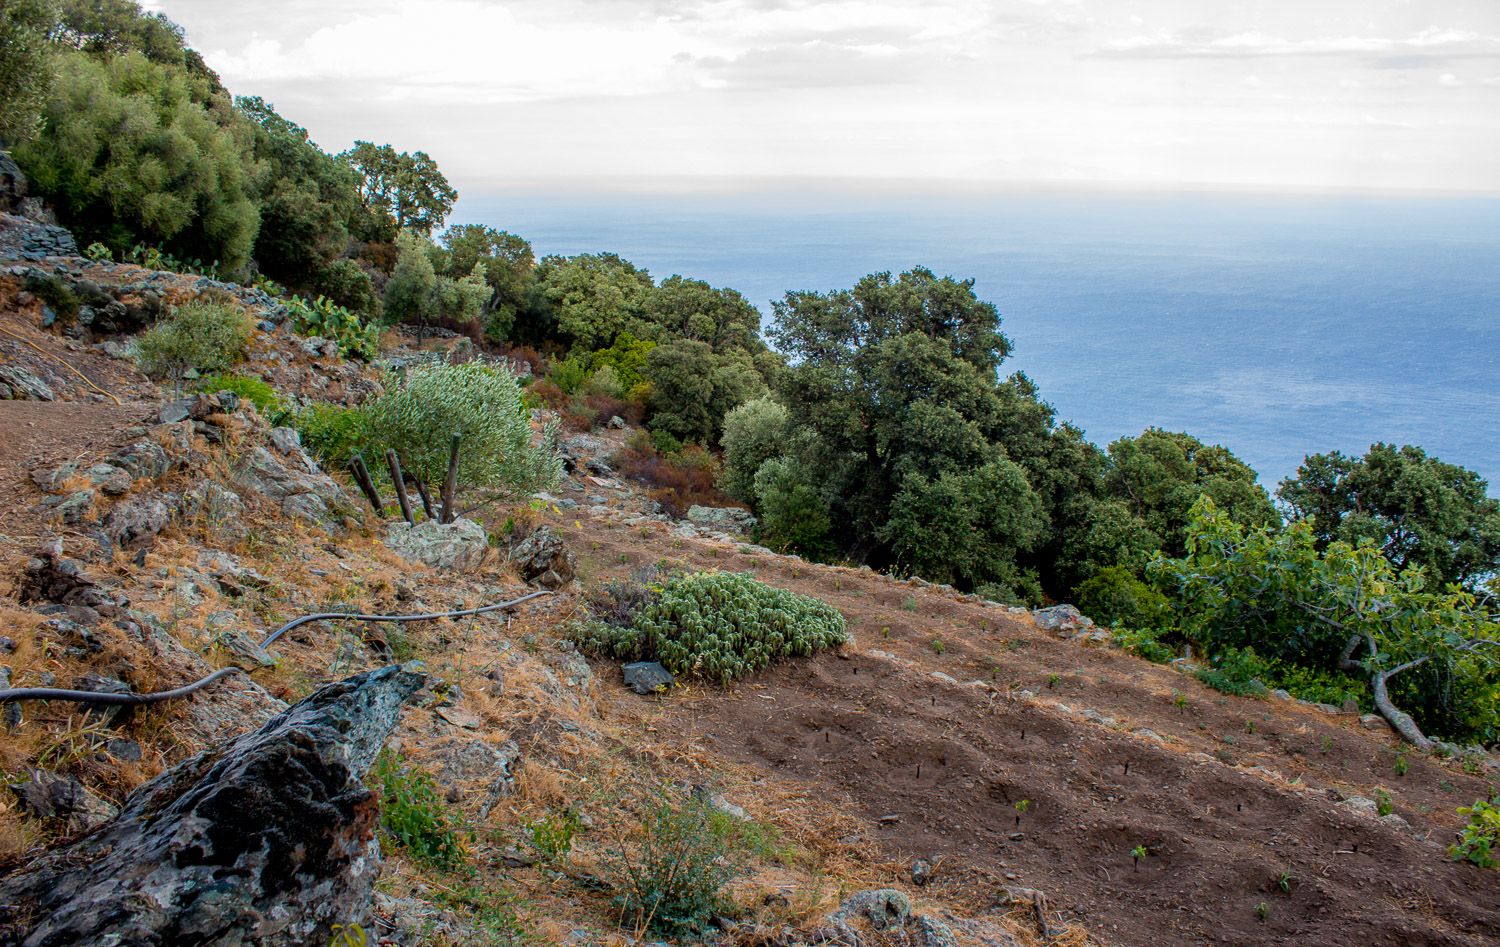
column 876, row 424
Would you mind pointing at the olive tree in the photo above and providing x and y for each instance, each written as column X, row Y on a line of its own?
column 418, row 416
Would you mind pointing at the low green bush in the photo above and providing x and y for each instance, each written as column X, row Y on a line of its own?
column 1236, row 671
column 671, row 878
column 332, row 432
column 1116, row 596
column 1479, row 840
column 326, row 319
column 718, row 625
column 414, row 815
column 253, row 390
column 54, row 291
column 202, row 336
column 1143, row 642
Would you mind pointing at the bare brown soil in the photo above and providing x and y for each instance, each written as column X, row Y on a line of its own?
column 1227, row 794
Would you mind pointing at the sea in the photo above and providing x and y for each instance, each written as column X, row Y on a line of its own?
column 1276, row 325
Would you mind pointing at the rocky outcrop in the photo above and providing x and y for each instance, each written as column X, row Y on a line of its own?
column 268, row 839
column 544, row 558
column 284, row 473
column 725, row 519
column 16, row 383
column 458, row 546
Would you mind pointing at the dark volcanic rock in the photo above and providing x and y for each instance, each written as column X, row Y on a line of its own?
column 268, row 839
column 544, row 558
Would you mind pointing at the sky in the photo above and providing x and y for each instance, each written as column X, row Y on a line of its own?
column 1279, row 94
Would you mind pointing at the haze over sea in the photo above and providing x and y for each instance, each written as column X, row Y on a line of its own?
column 1275, row 325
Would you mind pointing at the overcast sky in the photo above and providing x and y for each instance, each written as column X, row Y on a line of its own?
column 1281, row 93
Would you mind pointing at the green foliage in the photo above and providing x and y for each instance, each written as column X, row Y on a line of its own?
column 25, row 66
column 135, row 150
column 1236, row 671
column 627, row 357
column 693, row 387
column 793, row 515
column 552, row 835
column 1114, row 596
column 414, row 815
column 347, row 284
column 508, row 263
column 1160, row 475
column 592, row 298
column 331, row 432
column 695, row 311
column 1144, row 642
column 570, row 373
column 718, row 625
column 1415, row 508
column 418, row 415
column 201, row 336
column 754, row 433
column 253, row 390
column 1275, row 589
column 1479, row 840
column 398, row 191
column 54, row 291
column 410, row 292
column 306, row 197
column 326, row 319
column 1383, row 805
column 670, row 879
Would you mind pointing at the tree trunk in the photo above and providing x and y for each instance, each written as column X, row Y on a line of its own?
column 396, row 478
column 1398, row 719
column 450, row 484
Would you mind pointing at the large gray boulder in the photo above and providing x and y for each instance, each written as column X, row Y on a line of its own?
column 724, row 519
column 455, row 547
column 268, row 839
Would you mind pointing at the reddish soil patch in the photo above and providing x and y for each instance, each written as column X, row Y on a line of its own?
column 1239, row 791
column 43, row 434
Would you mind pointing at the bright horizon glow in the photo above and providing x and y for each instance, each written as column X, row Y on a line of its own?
column 1290, row 95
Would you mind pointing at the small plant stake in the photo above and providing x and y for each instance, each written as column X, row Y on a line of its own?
column 395, row 464
column 1137, row 854
column 450, row 484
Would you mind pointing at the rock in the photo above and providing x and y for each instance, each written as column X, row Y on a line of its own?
column 616, row 423
column 52, row 577
column 883, row 908
column 647, row 677
column 143, row 459
column 71, row 509
column 1350, row 706
column 1373, row 722
column 544, row 558
column 719, row 803
column 575, row 670
column 19, row 384
column 1362, row 805
column 268, row 839
column 1061, row 618
column 921, row 872
column 174, row 411
column 1394, row 821
column 931, row 932
column 725, row 519
column 303, row 491
column 945, row 678
column 61, row 801
column 460, row 717
column 111, row 480
column 137, row 520
column 458, row 546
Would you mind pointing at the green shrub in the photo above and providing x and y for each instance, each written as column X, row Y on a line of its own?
column 1236, row 671
column 754, row 432
column 333, row 433
column 324, row 318
column 253, row 390
column 347, row 284
column 1115, row 596
column 570, row 373
column 665, row 441
column 1479, row 840
column 1320, row 686
column 671, row 878
column 414, row 815
column 54, row 291
column 552, row 834
column 200, row 336
column 718, row 625
column 482, row 404
column 1143, row 643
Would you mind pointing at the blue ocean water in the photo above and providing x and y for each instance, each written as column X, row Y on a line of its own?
column 1275, row 325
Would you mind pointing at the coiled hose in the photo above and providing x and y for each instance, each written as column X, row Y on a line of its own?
column 130, row 700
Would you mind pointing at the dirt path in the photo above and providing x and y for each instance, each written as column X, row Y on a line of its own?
column 41, row 434
column 1226, row 794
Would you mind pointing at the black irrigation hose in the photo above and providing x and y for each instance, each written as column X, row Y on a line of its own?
column 98, row 697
